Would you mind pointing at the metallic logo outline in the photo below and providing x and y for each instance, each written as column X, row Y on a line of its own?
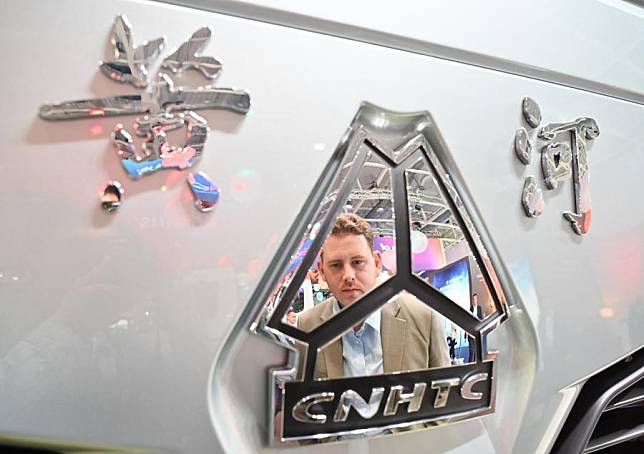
column 422, row 139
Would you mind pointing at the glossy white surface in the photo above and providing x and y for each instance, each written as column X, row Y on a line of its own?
column 596, row 45
column 70, row 272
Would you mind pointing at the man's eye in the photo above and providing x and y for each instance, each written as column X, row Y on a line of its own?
column 358, row 262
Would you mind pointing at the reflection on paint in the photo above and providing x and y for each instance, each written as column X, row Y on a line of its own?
column 245, row 185
column 96, row 130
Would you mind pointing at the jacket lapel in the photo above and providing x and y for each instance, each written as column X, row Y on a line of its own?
column 332, row 352
column 392, row 333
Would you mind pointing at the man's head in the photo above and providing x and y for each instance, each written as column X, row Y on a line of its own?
column 347, row 261
column 291, row 317
column 475, row 299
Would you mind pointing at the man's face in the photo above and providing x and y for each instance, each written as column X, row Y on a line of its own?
column 475, row 300
column 291, row 318
column 349, row 266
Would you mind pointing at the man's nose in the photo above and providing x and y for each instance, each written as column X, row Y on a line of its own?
column 348, row 274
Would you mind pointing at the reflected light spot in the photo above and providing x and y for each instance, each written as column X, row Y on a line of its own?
column 164, row 188
column 319, row 147
column 239, row 186
column 121, row 324
column 96, row 130
column 606, row 312
column 253, row 266
column 271, row 241
column 245, row 185
column 381, row 121
column 96, row 112
column 173, row 177
column 15, row 278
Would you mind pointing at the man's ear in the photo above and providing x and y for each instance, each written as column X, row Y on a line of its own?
column 320, row 269
column 378, row 259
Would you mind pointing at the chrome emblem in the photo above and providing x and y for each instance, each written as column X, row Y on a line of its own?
column 130, row 63
column 560, row 160
column 532, row 198
column 205, row 192
column 112, row 195
column 163, row 106
column 393, row 171
column 186, row 56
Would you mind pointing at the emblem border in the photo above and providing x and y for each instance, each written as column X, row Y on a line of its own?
column 420, row 137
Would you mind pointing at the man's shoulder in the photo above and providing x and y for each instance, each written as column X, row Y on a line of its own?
column 407, row 306
column 410, row 304
column 310, row 318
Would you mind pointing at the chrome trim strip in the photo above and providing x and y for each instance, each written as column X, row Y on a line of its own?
column 615, row 439
column 632, row 397
column 595, row 396
column 365, row 35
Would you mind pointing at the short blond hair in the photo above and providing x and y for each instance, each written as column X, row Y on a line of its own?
column 349, row 223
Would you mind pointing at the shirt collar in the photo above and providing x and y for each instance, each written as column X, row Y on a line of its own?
column 373, row 320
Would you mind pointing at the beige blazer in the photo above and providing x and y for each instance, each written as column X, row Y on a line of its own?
column 412, row 335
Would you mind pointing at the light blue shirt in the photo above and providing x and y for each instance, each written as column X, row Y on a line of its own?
column 362, row 349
